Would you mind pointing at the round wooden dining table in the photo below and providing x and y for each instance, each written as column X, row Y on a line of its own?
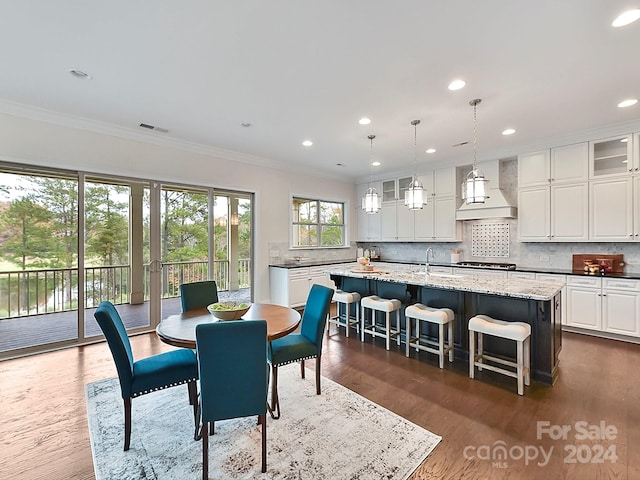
column 180, row 330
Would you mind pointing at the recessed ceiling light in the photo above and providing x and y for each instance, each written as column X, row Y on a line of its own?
column 627, row 103
column 364, row 121
column 457, row 85
column 508, row 131
column 375, row 164
column 79, row 74
column 431, row 150
column 625, row 18
column 245, row 124
column 625, row 140
column 307, row 143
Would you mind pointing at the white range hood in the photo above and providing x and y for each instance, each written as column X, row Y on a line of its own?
column 496, row 206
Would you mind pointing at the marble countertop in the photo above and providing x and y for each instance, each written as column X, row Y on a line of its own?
column 476, row 282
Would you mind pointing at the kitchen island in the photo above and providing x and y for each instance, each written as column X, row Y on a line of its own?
column 530, row 301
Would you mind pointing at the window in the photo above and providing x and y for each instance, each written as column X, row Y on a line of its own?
column 316, row 223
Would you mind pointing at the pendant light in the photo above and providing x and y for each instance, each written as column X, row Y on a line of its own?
column 371, row 199
column 474, row 187
column 413, row 197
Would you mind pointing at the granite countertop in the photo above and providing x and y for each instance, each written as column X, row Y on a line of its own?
column 556, row 271
column 308, row 263
column 414, row 274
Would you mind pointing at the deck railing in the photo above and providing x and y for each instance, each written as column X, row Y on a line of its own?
column 41, row 291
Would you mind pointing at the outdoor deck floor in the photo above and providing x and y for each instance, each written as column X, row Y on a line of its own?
column 23, row 332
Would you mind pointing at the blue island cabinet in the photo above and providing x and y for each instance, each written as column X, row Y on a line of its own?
column 542, row 315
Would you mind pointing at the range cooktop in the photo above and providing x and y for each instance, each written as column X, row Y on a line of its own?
column 491, row 265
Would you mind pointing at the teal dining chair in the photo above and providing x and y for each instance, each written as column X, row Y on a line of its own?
column 305, row 345
column 198, row 294
column 233, row 369
column 148, row 374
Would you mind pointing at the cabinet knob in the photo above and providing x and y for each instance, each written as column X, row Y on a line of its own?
column 637, row 169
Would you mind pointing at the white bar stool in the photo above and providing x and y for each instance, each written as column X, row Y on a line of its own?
column 346, row 299
column 439, row 316
column 375, row 303
column 520, row 332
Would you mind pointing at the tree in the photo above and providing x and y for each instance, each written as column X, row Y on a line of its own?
column 106, row 224
column 27, row 228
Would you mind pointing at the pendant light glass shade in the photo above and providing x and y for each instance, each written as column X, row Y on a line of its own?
column 371, row 200
column 414, row 195
column 474, row 189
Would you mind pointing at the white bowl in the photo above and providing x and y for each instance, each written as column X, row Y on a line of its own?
column 228, row 310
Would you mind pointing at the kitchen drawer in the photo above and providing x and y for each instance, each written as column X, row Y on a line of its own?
column 551, row 277
column 296, row 273
column 622, row 284
column 593, row 282
column 522, row 275
column 317, row 271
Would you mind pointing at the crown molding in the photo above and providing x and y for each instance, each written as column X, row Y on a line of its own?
column 94, row 126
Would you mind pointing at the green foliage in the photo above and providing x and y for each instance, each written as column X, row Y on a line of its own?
column 106, row 223
column 185, row 226
column 26, row 228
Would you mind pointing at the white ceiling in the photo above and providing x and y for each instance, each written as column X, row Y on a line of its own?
column 301, row 69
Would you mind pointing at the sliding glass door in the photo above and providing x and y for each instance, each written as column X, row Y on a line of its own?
column 140, row 240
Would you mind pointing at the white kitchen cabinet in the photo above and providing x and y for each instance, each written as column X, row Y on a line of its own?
column 610, row 305
column 565, row 164
column 612, row 156
column 557, row 213
column 570, row 163
column 394, row 189
column 621, row 306
column 437, row 219
column 611, row 210
column 534, row 214
column 290, row 286
column 584, row 302
column 521, row 275
column 368, row 223
column 534, row 169
column 396, row 222
column 444, row 182
column 570, row 212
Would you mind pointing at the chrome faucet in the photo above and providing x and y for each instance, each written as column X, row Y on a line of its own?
column 430, row 257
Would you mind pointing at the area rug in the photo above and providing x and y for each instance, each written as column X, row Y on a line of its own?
column 336, row 435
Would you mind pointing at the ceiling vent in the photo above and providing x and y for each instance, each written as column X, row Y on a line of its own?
column 153, row 127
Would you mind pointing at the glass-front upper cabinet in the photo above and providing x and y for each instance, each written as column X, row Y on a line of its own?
column 394, row 189
column 611, row 156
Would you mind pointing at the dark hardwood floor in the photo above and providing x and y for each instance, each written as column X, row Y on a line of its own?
column 44, row 426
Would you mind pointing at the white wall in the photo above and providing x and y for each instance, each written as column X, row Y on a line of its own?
column 41, row 143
